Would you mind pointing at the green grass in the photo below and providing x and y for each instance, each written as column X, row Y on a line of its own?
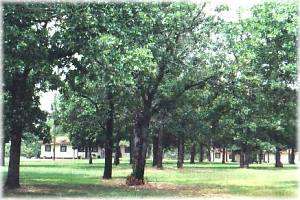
column 78, row 178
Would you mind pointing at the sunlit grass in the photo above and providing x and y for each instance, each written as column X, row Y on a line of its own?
column 78, row 178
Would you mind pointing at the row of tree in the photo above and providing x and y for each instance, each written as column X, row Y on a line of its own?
column 143, row 72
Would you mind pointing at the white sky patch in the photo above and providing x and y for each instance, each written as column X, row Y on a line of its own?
column 234, row 5
column 47, row 98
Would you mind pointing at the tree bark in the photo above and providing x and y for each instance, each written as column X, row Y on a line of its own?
column 232, row 156
column 192, row 152
column 21, row 100
column 86, row 152
column 260, row 156
column 90, row 156
column 141, row 126
column 208, row 154
column 118, row 150
column 3, row 154
column 13, row 180
column 131, row 148
column 242, row 159
column 155, row 147
column 159, row 155
column 223, row 156
column 180, row 152
column 247, row 157
column 278, row 163
column 213, row 156
column 201, row 153
column 226, row 157
column 292, row 157
column 109, row 126
column 54, row 141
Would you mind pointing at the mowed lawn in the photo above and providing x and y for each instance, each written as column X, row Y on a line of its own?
column 63, row 178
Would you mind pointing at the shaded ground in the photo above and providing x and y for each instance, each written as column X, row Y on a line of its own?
column 62, row 178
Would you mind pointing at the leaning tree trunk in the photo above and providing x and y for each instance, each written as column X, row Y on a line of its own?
column 154, row 156
column 192, row 152
column 180, row 152
column 223, row 156
column 278, row 163
column 292, row 157
column 118, row 150
column 90, row 156
column 109, row 126
column 201, row 153
column 159, row 155
column 141, row 127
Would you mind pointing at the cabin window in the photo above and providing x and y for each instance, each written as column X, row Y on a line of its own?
column 63, row 148
column 47, row 147
column 230, row 156
column 95, row 149
column 217, row 155
column 127, row 149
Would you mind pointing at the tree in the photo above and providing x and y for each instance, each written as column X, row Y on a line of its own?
column 157, row 64
column 28, row 62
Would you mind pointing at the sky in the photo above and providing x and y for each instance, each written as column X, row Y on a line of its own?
column 48, row 98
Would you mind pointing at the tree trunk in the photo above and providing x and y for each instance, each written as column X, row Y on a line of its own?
column 86, row 152
column 260, row 156
column 180, row 152
column 242, row 159
column 159, row 155
column 12, row 180
column 247, row 157
column 109, row 126
column 21, row 100
column 226, row 157
column 208, row 154
column 118, row 150
column 155, row 147
column 201, row 153
column 277, row 158
column 141, row 126
column 192, row 152
column 223, row 156
column 292, row 158
column 90, row 156
column 3, row 154
column 54, row 141
column 131, row 148
column 232, row 156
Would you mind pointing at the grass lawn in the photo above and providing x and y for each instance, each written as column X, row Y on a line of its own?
column 78, row 178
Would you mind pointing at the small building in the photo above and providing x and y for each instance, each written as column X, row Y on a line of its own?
column 61, row 148
column 216, row 155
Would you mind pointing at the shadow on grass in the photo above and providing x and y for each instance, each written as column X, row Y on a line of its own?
column 87, row 190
